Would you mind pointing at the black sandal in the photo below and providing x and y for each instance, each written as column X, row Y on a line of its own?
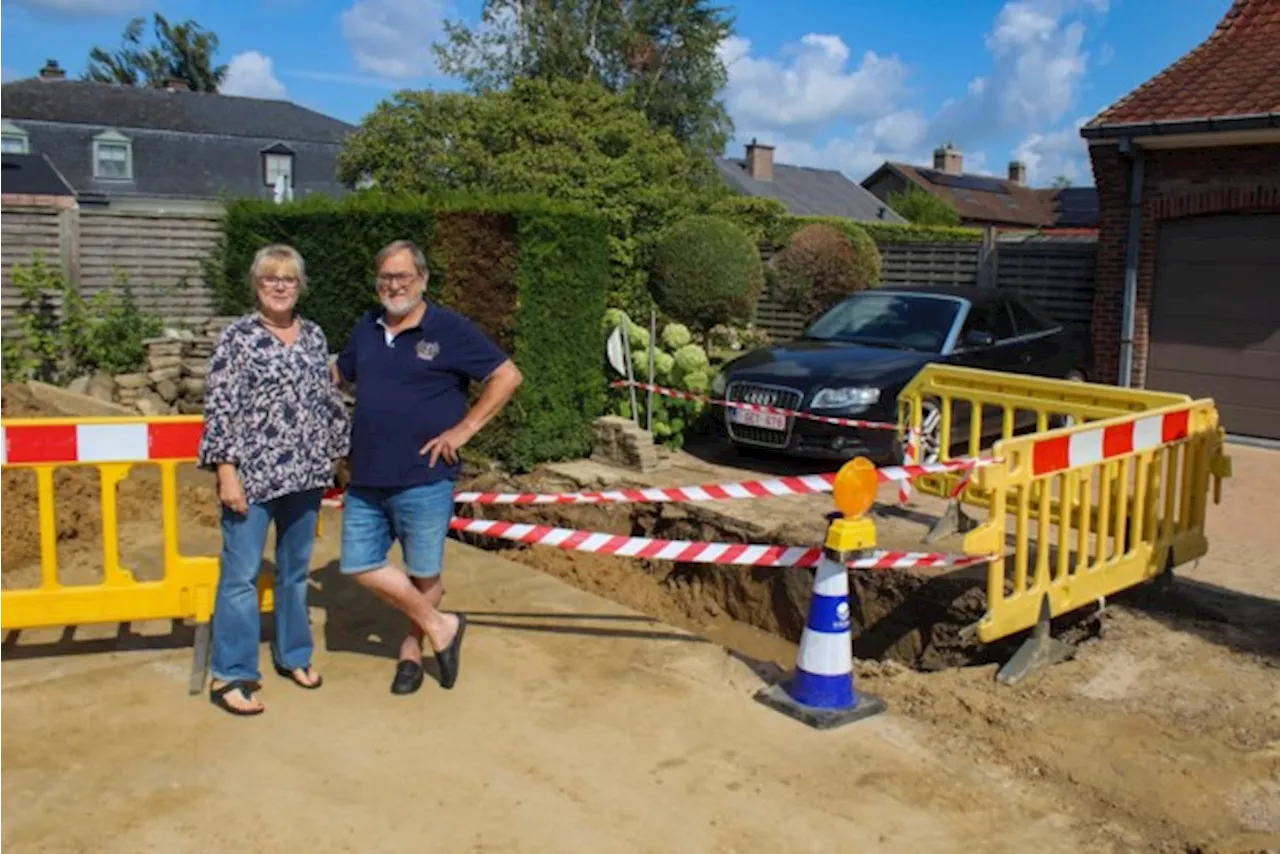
column 449, row 658
column 218, row 696
column 288, row 674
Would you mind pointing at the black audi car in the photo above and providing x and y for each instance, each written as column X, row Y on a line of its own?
column 853, row 360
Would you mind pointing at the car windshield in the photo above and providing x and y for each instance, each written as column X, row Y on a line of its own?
column 906, row 321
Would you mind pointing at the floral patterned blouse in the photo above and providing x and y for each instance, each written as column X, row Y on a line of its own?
column 272, row 410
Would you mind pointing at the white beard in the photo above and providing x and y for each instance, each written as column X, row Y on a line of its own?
column 399, row 307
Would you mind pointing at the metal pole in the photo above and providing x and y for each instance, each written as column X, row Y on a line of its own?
column 631, row 378
column 1131, row 257
column 653, row 347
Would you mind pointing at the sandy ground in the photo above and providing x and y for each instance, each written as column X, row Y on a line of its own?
column 582, row 723
column 577, row 726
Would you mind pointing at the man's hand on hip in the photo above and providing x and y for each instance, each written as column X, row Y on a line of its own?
column 447, row 444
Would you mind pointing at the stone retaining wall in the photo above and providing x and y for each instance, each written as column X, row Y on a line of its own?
column 173, row 381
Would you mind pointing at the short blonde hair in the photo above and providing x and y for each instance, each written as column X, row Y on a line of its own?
column 275, row 256
column 419, row 257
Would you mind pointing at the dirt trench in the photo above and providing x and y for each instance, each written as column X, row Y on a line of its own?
column 915, row 619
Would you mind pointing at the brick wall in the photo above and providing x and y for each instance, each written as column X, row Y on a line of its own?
column 1176, row 184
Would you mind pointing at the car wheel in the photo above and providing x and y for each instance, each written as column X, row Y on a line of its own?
column 1075, row 376
column 930, row 430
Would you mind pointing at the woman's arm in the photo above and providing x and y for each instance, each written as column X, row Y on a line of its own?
column 221, row 442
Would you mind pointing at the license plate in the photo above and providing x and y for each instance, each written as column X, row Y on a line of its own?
column 765, row 420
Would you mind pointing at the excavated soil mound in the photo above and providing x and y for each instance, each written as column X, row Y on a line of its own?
column 78, row 512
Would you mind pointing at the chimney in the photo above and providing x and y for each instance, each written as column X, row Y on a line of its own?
column 1018, row 172
column 177, row 84
column 51, row 71
column 947, row 158
column 760, row 161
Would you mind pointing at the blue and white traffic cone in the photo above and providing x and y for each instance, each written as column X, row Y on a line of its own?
column 821, row 691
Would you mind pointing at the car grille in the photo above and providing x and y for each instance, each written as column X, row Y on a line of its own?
column 762, row 395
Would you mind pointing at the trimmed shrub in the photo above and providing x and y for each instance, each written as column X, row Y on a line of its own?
column 706, row 271
column 820, row 266
column 532, row 274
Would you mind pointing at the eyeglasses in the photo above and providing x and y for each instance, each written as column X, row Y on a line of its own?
column 287, row 282
column 395, row 278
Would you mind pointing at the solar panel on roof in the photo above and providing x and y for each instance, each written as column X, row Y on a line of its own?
column 966, row 182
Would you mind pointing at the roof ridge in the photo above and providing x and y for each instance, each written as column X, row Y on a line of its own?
column 150, row 91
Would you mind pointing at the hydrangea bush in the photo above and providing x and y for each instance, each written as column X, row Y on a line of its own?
column 679, row 363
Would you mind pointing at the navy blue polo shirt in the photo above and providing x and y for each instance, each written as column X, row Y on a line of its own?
column 410, row 389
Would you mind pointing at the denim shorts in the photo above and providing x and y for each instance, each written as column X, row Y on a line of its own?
column 417, row 516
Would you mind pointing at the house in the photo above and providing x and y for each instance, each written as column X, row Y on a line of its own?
column 168, row 150
column 1188, row 174
column 30, row 180
column 981, row 200
column 804, row 190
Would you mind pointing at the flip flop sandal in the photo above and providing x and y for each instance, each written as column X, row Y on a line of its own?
column 218, row 696
column 288, row 674
column 450, row 657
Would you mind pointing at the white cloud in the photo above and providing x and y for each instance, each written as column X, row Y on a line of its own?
column 394, row 37
column 83, row 7
column 251, row 74
column 814, row 86
column 1059, row 152
column 863, row 116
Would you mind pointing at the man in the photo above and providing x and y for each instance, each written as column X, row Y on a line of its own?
column 412, row 363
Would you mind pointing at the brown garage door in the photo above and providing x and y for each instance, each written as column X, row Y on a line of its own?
column 1215, row 324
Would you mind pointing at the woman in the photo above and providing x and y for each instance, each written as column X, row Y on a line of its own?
column 273, row 428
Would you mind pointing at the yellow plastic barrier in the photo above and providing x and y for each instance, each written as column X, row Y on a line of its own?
column 991, row 405
column 1115, row 499
column 113, row 446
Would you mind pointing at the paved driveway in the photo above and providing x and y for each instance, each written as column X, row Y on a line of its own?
column 1244, row 531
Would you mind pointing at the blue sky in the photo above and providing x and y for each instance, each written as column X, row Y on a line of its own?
column 837, row 83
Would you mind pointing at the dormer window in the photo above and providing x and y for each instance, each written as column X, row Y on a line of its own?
column 112, row 157
column 277, row 161
column 14, row 139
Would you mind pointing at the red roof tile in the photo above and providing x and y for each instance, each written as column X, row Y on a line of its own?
column 1234, row 72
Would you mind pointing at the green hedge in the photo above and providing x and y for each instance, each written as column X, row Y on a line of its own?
column 532, row 274
column 884, row 232
column 881, row 232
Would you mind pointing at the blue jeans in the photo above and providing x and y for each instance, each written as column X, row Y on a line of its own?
column 417, row 516
column 236, row 621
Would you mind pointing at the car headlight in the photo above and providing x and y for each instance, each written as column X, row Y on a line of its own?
column 840, row 398
column 718, row 384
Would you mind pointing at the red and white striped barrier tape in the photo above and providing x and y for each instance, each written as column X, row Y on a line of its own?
column 124, row 441
column 686, row 551
column 1104, row 443
column 809, row 484
column 910, row 454
column 756, row 407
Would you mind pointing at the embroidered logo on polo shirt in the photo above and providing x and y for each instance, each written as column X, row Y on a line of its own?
column 427, row 350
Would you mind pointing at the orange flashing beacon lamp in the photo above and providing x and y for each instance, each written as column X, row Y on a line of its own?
column 854, row 492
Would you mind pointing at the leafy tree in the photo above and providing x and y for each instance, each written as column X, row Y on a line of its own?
column 183, row 50
column 661, row 54
column 707, row 271
column 1062, row 182
column 921, row 208
column 570, row 141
